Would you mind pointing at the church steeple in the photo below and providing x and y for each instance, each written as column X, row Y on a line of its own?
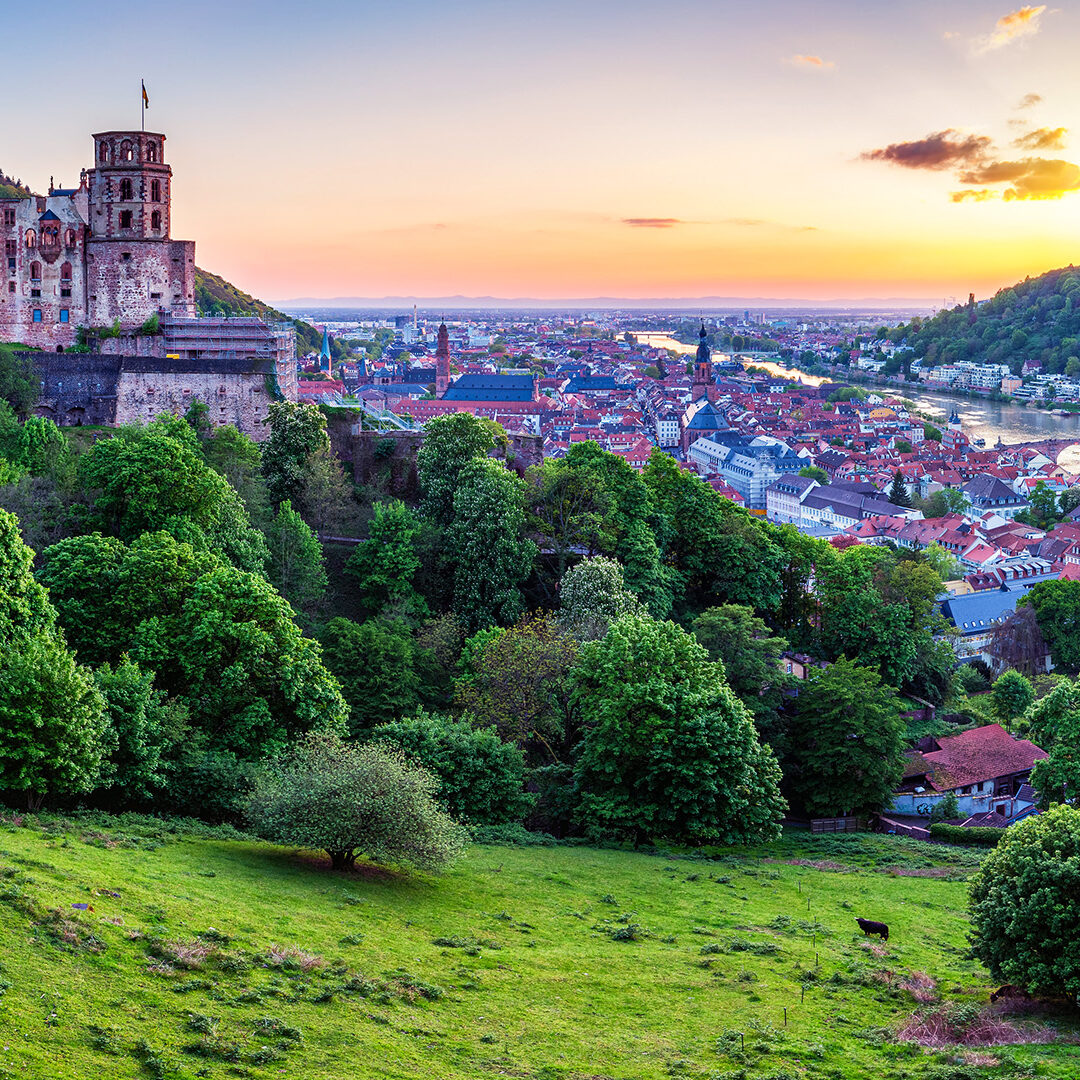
column 703, row 373
column 442, row 362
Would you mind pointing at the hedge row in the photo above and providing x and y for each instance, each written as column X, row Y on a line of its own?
column 957, row 834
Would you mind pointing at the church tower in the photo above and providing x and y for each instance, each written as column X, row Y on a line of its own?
column 442, row 362
column 703, row 373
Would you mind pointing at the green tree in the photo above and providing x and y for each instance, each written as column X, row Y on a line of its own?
column 593, row 594
column 813, row 472
column 1013, row 695
column 1023, row 912
column 931, row 433
column 296, row 431
column 847, row 741
column 327, row 498
column 375, row 663
column 668, row 750
column 385, row 565
column 520, row 681
column 19, row 387
column 486, row 546
column 24, row 604
column 1057, row 608
column 943, row 561
column 944, row 502
column 235, row 456
column 347, row 800
column 451, row 443
column 297, row 569
column 1068, row 501
column 481, row 778
column 947, row 808
column 52, row 722
column 898, row 492
column 143, row 728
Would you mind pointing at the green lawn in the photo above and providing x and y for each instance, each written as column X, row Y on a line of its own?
column 230, row 958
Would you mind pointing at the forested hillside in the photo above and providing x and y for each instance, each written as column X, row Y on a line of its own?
column 216, row 296
column 1038, row 319
column 10, row 188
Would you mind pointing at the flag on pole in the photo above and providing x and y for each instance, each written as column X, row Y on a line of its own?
column 145, row 99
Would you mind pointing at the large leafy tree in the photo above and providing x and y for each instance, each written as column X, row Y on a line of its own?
column 349, row 800
column 296, row 431
column 24, row 604
column 222, row 641
column 520, row 682
column 1024, row 914
column 486, row 545
column 52, row 722
column 668, row 750
column 1057, row 608
column 1013, row 695
column 297, row 568
column 154, row 477
column 386, row 564
column 375, row 662
column 451, row 443
column 592, row 594
column 1018, row 642
column 481, row 778
column 846, row 741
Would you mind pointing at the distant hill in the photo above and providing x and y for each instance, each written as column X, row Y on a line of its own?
column 11, row 188
column 216, row 296
column 1038, row 319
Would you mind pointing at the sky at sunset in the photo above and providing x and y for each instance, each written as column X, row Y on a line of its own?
column 587, row 148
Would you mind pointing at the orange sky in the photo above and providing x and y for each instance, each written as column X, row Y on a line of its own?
column 603, row 147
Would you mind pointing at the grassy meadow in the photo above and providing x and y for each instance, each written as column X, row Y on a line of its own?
column 199, row 956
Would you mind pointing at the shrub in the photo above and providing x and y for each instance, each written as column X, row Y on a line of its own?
column 958, row 834
column 346, row 799
column 481, row 778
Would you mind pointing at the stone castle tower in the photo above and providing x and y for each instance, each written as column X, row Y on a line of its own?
column 96, row 254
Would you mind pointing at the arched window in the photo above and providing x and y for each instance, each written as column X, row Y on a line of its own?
column 155, row 191
column 155, row 221
column 31, row 238
column 125, row 150
column 125, row 190
column 35, row 271
column 69, row 238
column 151, row 151
column 103, row 152
column 65, row 272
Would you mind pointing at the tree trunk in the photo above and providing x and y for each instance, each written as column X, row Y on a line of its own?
column 342, row 860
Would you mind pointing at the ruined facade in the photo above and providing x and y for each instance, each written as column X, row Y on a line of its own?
column 100, row 257
column 96, row 254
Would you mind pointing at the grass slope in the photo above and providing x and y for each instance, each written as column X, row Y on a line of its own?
column 232, row 958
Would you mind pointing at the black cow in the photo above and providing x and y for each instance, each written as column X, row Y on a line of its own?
column 868, row 927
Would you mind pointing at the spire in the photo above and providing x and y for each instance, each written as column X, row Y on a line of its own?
column 442, row 362
column 703, row 373
column 324, row 353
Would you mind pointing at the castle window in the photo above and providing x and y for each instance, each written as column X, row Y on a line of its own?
column 155, row 220
column 31, row 238
column 69, row 238
column 35, row 271
column 9, row 216
column 35, row 294
column 11, row 286
column 103, row 152
column 151, row 151
column 65, row 293
column 64, row 315
column 125, row 151
column 12, row 247
column 65, row 272
column 125, row 219
column 37, row 314
column 155, row 191
column 126, row 256
column 125, row 190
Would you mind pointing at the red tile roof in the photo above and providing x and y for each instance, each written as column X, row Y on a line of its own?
column 982, row 754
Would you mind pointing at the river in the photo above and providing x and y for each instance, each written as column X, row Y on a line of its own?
column 980, row 418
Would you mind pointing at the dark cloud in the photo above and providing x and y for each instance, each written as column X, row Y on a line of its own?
column 1031, row 178
column 942, row 150
column 1042, row 139
column 1028, row 101
column 652, row 222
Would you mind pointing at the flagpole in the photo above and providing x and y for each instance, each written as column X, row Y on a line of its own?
column 142, row 102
